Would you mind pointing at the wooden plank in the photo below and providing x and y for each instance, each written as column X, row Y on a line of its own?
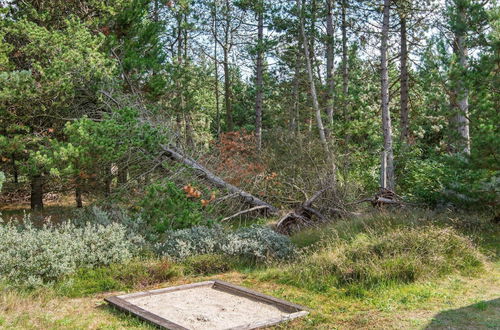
column 165, row 290
column 143, row 314
column 242, row 291
column 294, row 310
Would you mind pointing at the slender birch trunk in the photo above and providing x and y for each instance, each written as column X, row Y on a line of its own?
column 310, row 74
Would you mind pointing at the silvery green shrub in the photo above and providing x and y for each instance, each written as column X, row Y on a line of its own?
column 183, row 243
column 31, row 256
column 257, row 243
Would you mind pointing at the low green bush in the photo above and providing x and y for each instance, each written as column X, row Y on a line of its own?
column 255, row 243
column 31, row 256
column 205, row 264
column 400, row 255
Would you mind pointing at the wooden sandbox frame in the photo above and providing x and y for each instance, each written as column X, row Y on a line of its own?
column 294, row 311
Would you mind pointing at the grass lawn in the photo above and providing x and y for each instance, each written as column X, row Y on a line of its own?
column 452, row 301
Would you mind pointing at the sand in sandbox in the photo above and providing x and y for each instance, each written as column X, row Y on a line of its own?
column 207, row 308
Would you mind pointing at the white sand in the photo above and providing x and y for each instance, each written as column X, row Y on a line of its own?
column 207, row 308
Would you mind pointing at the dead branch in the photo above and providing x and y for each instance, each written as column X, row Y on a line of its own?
column 255, row 208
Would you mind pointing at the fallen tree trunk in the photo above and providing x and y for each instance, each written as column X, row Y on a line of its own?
column 217, row 181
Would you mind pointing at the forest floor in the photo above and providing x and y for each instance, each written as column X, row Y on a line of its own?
column 451, row 302
column 454, row 302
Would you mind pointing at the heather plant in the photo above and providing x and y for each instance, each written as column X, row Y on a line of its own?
column 31, row 256
column 387, row 256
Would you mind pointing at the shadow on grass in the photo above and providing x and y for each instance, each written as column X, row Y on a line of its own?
column 481, row 315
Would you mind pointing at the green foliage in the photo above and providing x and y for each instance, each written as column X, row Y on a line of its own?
column 253, row 243
column 206, row 264
column 166, row 207
column 31, row 256
column 449, row 179
column 372, row 259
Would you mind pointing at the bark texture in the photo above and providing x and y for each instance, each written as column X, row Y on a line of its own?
column 461, row 91
column 310, row 74
column 330, row 61
column 404, row 112
column 386, row 115
column 259, row 76
column 36, row 192
column 345, row 63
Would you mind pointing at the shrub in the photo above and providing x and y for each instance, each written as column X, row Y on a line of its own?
column 207, row 264
column 180, row 244
column 396, row 256
column 256, row 243
column 167, row 207
column 33, row 256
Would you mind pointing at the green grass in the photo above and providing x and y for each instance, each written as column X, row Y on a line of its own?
column 133, row 275
column 408, row 270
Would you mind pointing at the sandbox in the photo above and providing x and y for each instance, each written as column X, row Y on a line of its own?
column 207, row 305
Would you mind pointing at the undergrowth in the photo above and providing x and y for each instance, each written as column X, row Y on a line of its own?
column 378, row 251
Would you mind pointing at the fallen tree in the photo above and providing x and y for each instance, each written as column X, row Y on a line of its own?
column 305, row 215
column 217, row 181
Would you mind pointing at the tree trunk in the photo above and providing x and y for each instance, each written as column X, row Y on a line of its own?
column 330, row 61
column 310, row 74
column 259, row 76
column 108, row 178
column 294, row 116
column 345, row 63
column 37, row 192
column 122, row 175
column 461, row 91
column 227, row 74
column 386, row 116
column 216, row 68
column 404, row 115
column 227, row 93
column 15, row 171
column 215, row 180
column 78, row 193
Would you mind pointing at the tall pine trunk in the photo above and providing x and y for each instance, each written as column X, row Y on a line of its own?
column 330, row 61
column 227, row 74
column 461, row 91
column 404, row 111
column 227, row 92
column 345, row 64
column 37, row 192
column 78, row 192
column 259, row 76
column 386, row 115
